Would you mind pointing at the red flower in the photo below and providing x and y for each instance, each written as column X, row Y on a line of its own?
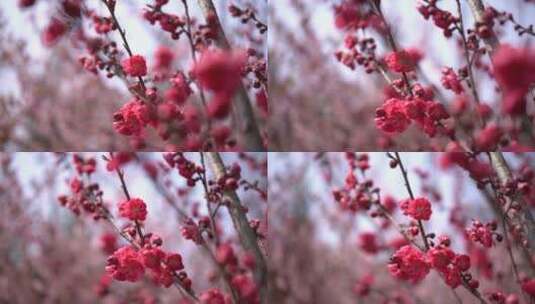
column 489, row 137
column 246, row 288
column 174, row 262
column 225, row 255
column 135, row 66
column 347, row 15
column 219, row 70
column 482, row 233
column 514, row 70
column 391, row 117
column 76, row 185
column 191, row 231
column 401, row 61
column 179, row 91
column 108, row 242
column 132, row 118
column 220, row 106
column 462, row 262
column 53, row 31
column 26, row 3
column 418, row 208
column 529, row 287
column 213, row 296
column 409, row 264
column 453, row 277
column 163, row 58
column 125, row 265
column 363, row 286
column 440, row 258
column 451, row 81
column 134, row 209
column 368, row 242
column 220, row 135
column 152, row 257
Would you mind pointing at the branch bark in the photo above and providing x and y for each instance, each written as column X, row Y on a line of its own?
column 250, row 133
column 523, row 218
column 478, row 10
column 246, row 234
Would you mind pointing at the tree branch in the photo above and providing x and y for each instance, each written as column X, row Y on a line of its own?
column 251, row 137
column 246, row 234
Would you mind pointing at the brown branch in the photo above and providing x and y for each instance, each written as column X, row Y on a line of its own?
column 467, row 54
column 492, row 43
column 193, row 50
column 252, row 139
column 247, row 235
column 523, row 218
column 478, row 10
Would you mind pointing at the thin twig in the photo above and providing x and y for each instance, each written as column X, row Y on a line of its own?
column 123, row 37
column 391, row 41
column 411, row 194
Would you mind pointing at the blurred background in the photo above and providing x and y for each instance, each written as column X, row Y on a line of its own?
column 50, row 255
column 322, row 253
column 318, row 104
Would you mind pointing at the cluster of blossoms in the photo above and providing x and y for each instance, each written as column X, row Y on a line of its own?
column 399, row 110
column 214, row 296
column 192, row 231
column 403, row 61
column 483, row 233
column 129, row 264
column 452, row 266
column 135, row 66
column 514, row 71
column 230, row 181
column 170, row 23
column 355, row 14
column 450, row 80
column 441, row 18
column 363, row 286
column 144, row 253
column 118, row 160
column 404, row 103
column 133, row 209
column 220, row 72
column 418, row 208
column 108, row 243
column 479, row 170
column 247, row 15
column 350, row 16
column 355, row 195
column 84, row 196
column 411, row 264
column 84, row 166
column 241, row 281
column 369, row 243
column 395, row 116
column 186, row 168
column 58, row 26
